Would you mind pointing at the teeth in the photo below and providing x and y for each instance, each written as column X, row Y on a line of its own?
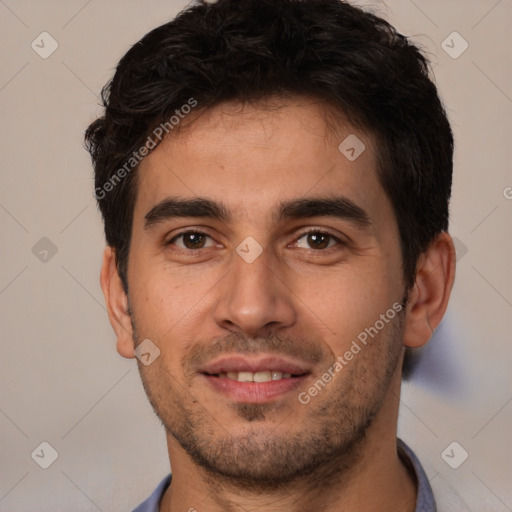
column 245, row 377
column 264, row 376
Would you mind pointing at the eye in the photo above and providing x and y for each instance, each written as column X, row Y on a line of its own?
column 317, row 240
column 192, row 240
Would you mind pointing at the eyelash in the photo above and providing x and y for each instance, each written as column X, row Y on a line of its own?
column 301, row 235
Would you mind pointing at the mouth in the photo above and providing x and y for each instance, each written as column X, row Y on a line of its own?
column 256, row 380
column 261, row 376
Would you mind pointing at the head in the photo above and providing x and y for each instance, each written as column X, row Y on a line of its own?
column 274, row 178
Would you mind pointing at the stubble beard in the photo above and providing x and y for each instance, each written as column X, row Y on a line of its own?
column 264, row 457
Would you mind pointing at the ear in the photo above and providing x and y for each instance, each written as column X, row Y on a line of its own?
column 117, row 303
column 428, row 298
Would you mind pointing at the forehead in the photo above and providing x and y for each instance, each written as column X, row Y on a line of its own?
column 249, row 157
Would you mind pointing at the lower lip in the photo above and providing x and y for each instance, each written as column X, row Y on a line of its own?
column 254, row 392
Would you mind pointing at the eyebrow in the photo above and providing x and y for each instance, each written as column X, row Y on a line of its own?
column 178, row 207
column 339, row 207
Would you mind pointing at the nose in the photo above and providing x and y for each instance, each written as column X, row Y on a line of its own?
column 253, row 298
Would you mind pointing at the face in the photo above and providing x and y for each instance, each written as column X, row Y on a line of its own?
column 265, row 265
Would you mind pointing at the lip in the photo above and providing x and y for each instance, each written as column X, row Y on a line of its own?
column 254, row 392
column 239, row 363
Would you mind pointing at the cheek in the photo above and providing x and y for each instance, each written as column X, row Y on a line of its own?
column 162, row 293
column 173, row 307
column 346, row 301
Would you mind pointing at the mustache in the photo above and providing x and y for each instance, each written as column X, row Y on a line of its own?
column 234, row 343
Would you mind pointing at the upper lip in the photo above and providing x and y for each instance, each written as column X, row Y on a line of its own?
column 238, row 363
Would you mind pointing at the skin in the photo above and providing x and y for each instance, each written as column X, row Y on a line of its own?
column 300, row 298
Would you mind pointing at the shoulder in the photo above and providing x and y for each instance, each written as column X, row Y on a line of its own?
column 425, row 501
column 434, row 495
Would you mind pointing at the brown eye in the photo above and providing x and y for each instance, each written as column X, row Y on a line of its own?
column 316, row 240
column 192, row 240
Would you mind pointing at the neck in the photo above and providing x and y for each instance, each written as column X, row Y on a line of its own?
column 376, row 479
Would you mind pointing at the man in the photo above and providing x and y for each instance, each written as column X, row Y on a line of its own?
column 274, row 177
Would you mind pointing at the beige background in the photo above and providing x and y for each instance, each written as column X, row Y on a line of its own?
column 62, row 380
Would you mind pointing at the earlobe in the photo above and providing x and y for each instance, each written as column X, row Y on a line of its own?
column 117, row 304
column 428, row 299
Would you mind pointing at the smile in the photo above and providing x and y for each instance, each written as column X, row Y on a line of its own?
column 263, row 376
